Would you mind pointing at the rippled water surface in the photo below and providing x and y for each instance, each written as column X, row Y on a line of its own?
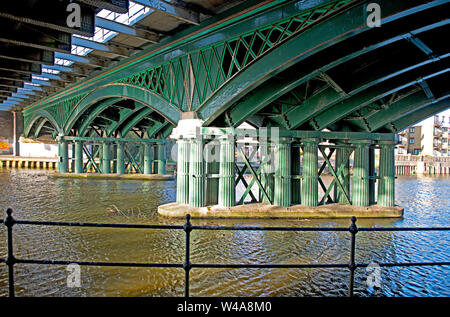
column 33, row 195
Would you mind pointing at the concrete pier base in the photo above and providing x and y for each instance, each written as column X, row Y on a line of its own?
column 262, row 210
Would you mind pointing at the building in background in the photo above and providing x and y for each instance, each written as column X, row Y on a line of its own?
column 429, row 137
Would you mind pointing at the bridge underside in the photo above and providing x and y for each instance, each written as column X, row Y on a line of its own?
column 318, row 74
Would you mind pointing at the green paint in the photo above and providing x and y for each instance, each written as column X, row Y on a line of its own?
column 295, row 169
column 106, row 158
column 283, row 191
column 386, row 183
column 183, row 171
column 161, row 161
column 267, row 172
column 212, row 150
column 196, row 174
column 63, row 164
column 78, row 157
column 360, row 186
column 120, row 158
column 227, row 185
column 310, row 173
column 343, row 163
column 148, row 149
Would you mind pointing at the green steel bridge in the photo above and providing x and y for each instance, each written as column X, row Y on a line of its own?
column 313, row 69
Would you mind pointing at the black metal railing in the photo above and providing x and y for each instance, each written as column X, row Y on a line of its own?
column 11, row 260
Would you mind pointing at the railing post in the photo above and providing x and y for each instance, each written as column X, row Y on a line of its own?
column 187, row 264
column 10, row 260
column 352, row 265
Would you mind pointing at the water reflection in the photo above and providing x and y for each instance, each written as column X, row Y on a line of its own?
column 34, row 196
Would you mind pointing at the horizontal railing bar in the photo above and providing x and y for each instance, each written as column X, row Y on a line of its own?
column 405, row 229
column 91, row 224
column 269, row 228
column 215, row 265
column 94, row 263
column 268, row 266
column 179, row 227
column 406, row 264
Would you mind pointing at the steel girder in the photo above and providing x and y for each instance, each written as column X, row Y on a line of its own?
column 34, row 123
column 275, row 63
column 239, row 76
column 98, row 109
column 317, row 107
column 418, row 115
column 186, row 80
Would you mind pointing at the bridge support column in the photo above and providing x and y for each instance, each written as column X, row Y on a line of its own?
column 227, row 183
column 212, row 156
column 78, row 157
column 386, row 183
column 282, row 196
column 183, row 172
column 372, row 176
column 120, row 158
column 72, row 161
column 310, row 195
column 106, row 158
column 161, row 149
column 267, row 172
column 63, row 149
column 196, row 174
column 148, row 158
column 342, row 158
column 360, row 189
column 295, row 170
column 18, row 122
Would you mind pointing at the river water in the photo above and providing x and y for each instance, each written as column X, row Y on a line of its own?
column 34, row 196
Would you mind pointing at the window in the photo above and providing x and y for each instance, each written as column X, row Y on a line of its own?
column 416, row 152
column 411, row 130
column 411, row 141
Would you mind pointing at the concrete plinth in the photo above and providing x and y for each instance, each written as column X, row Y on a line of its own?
column 261, row 210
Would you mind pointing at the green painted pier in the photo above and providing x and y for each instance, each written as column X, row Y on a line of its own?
column 323, row 91
column 290, row 159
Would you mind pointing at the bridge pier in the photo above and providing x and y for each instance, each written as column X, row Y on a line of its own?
column 120, row 158
column 295, row 171
column 148, row 149
column 63, row 154
column 183, row 171
column 113, row 156
column 286, row 188
column 227, row 172
column 78, row 157
column 343, row 163
column 360, row 187
column 267, row 172
column 386, row 184
column 310, row 173
column 196, row 174
column 161, row 162
column 106, row 158
column 212, row 169
column 283, row 194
